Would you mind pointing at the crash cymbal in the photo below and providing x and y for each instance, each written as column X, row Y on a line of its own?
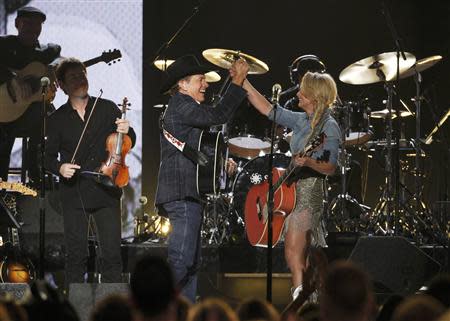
column 225, row 57
column 212, row 76
column 421, row 65
column 384, row 113
column 382, row 67
column 163, row 64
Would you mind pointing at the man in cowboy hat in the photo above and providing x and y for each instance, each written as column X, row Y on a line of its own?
column 177, row 197
column 16, row 53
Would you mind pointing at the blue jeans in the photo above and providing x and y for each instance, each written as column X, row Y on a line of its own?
column 184, row 244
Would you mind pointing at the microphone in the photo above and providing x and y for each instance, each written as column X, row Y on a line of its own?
column 289, row 91
column 276, row 90
column 45, row 81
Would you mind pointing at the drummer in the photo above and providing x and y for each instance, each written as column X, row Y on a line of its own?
column 316, row 94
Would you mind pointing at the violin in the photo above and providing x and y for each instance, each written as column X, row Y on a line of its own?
column 117, row 145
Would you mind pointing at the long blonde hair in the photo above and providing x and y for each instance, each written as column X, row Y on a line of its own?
column 321, row 88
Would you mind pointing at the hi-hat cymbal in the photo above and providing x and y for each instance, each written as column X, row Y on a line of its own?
column 225, row 57
column 163, row 64
column 384, row 113
column 421, row 65
column 382, row 67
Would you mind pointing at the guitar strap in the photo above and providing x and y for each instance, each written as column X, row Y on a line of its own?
column 196, row 156
column 296, row 174
column 317, row 129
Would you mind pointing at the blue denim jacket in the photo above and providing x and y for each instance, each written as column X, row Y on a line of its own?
column 185, row 119
column 300, row 124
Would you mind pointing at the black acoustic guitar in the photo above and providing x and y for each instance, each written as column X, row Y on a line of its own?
column 209, row 176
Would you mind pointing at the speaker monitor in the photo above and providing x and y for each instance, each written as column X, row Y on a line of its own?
column 395, row 265
column 16, row 290
column 84, row 296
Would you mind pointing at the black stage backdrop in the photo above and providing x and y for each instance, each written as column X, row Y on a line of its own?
column 276, row 32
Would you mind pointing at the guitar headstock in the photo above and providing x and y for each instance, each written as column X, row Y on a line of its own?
column 111, row 56
column 18, row 187
column 315, row 143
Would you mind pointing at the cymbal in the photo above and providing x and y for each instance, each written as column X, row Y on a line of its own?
column 421, row 65
column 384, row 113
column 163, row 64
column 382, row 67
column 225, row 57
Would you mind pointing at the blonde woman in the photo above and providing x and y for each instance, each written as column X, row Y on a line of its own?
column 316, row 94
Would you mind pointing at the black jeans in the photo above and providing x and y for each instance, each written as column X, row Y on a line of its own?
column 108, row 232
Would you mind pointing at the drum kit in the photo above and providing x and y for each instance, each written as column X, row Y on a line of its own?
column 249, row 145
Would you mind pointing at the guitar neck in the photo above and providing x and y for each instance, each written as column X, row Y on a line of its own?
column 92, row 61
column 289, row 171
column 284, row 177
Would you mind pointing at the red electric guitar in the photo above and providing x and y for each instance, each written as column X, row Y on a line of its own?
column 284, row 202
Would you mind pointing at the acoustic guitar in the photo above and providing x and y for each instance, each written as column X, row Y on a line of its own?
column 13, row 105
column 256, row 210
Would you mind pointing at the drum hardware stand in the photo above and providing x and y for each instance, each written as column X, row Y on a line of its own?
column 339, row 205
column 385, row 204
column 393, row 171
column 215, row 221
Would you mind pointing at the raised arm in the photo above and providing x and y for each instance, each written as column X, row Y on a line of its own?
column 256, row 99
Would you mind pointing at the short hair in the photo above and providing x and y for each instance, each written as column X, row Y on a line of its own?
column 152, row 285
column 212, row 310
column 113, row 307
column 346, row 293
column 10, row 310
column 257, row 309
column 419, row 307
column 183, row 307
column 65, row 65
column 176, row 88
column 439, row 288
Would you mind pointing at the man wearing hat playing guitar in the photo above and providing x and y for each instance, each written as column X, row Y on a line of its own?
column 17, row 52
column 177, row 197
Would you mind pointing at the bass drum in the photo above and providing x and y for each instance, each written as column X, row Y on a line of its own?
column 253, row 173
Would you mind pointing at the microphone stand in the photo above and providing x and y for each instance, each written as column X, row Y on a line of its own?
column 167, row 44
column 270, row 201
column 41, row 271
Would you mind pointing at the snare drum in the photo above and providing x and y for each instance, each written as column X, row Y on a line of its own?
column 248, row 133
column 248, row 146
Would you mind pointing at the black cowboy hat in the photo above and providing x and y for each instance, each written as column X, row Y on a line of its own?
column 184, row 66
column 31, row 12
